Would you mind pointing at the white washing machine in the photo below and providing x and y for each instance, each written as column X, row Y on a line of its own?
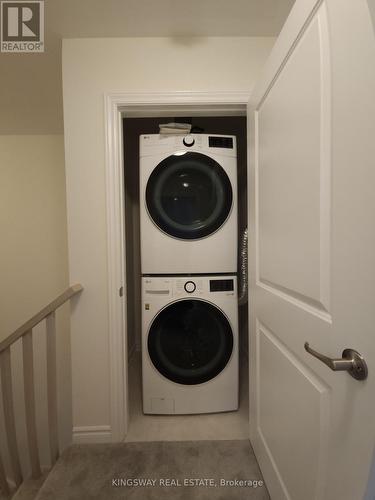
column 189, row 344
column 188, row 204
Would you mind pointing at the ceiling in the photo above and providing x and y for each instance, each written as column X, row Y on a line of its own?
column 30, row 84
column 106, row 18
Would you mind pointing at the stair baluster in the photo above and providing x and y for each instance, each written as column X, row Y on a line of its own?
column 4, row 488
column 52, row 387
column 9, row 420
column 29, row 393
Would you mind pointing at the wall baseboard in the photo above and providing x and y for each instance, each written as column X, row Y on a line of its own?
column 92, row 434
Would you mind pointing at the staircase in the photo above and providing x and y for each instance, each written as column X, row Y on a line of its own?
column 27, row 491
column 14, row 482
column 91, row 472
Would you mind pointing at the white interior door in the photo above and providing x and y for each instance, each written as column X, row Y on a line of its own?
column 312, row 247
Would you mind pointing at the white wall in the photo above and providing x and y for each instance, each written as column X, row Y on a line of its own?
column 91, row 68
column 34, row 270
column 33, row 250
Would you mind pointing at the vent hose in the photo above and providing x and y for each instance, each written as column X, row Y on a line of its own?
column 243, row 288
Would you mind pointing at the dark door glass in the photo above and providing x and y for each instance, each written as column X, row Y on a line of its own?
column 189, row 196
column 190, row 342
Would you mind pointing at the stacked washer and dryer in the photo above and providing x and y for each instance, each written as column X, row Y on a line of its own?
column 188, row 203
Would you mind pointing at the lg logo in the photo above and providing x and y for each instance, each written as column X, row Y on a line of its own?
column 22, row 26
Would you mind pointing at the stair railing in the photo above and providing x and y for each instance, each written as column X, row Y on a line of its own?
column 25, row 332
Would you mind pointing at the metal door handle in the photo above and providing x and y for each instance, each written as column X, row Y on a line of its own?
column 351, row 361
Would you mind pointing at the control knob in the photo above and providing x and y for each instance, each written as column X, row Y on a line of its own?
column 190, row 287
column 188, row 141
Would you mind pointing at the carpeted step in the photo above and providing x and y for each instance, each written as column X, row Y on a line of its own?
column 188, row 470
column 30, row 488
column 27, row 491
column 3, row 496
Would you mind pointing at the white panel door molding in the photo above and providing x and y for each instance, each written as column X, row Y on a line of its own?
column 292, row 172
column 312, row 273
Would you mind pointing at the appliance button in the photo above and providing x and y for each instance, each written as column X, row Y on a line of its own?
column 190, row 287
column 188, row 141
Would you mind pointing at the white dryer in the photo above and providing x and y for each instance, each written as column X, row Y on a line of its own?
column 189, row 344
column 188, row 204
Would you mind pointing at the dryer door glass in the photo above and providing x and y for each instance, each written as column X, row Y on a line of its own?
column 190, row 342
column 189, row 196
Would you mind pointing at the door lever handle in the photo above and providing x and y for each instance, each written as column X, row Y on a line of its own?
column 351, row 361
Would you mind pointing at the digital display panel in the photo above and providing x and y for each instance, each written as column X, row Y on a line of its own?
column 220, row 142
column 221, row 285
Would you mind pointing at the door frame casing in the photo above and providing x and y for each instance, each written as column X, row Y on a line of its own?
column 118, row 105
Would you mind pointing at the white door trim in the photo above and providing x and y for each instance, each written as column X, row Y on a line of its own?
column 116, row 106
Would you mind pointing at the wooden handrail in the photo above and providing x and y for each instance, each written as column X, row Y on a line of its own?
column 40, row 316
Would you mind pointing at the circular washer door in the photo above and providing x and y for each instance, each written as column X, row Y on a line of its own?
column 190, row 341
column 189, row 196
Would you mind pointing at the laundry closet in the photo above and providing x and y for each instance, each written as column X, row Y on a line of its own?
column 194, row 386
column 309, row 110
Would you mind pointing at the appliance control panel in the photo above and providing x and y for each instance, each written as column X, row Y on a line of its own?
column 156, row 287
column 223, row 145
column 197, row 286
